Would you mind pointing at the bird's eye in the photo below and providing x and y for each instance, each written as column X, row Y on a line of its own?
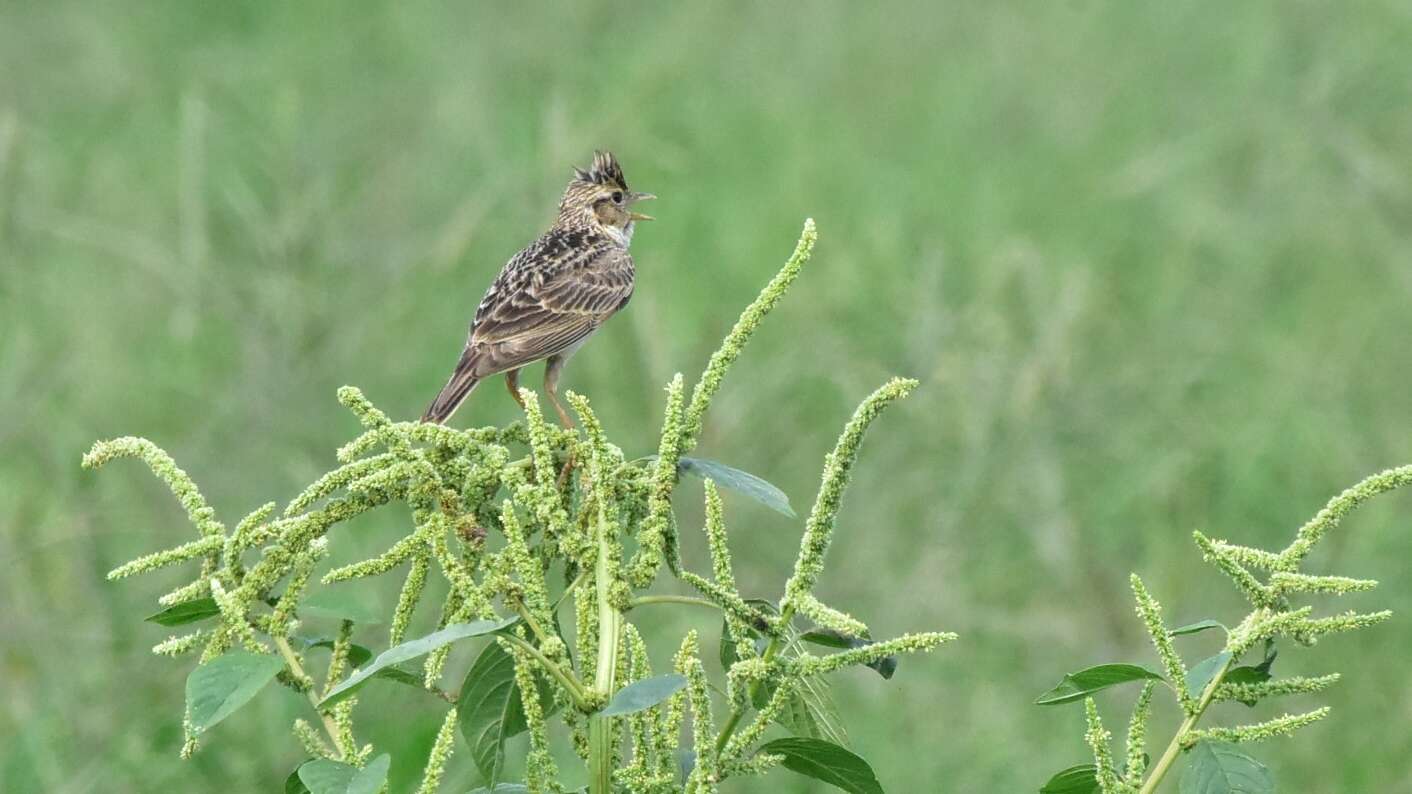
column 617, row 197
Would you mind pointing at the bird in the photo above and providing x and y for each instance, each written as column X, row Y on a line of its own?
column 555, row 293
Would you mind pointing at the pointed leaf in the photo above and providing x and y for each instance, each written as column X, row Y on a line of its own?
column 1081, row 779
column 402, row 676
column 1248, row 674
column 358, row 655
column 885, row 666
column 686, row 764
column 643, row 694
column 1220, row 768
column 340, row 605
column 322, row 776
column 1199, row 676
column 370, row 778
column 810, row 712
column 726, row 651
column 738, row 481
column 502, row 788
column 411, row 650
column 293, row 785
column 486, row 696
column 515, row 723
column 1077, row 686
column 216, row 689
column 1200, row 625
column 827, row 762
column 185, row 612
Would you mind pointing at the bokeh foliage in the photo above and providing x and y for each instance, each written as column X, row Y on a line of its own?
column 1150, row 261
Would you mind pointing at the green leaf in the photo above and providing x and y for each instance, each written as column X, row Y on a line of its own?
column 411, row 650
column 1252, row 674
column 340, row 605
column 1081, row 779
column 726, row 652
column 810, row 711
column 515, row 723
column 1200, row 625
column 358, row 655
column 827, row 762
column 487, row 694
column 1077, row 686
column 829, row 638
column 1220, row 768
column 293, row 785
column 185, row 612
column 885, row 666
column 502, row 788
column 686, row 764
column 739, row 481
column 643, row 694
column 216, row 689
column 401, row 675
column 370, row 778
column 322, row 776
column 1199, row 676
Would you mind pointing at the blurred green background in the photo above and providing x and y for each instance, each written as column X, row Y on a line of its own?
column 1150, row 261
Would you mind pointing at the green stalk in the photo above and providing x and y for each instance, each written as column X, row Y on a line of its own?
column 292, row 659
column 673, row 599
column 600, row 728
column 771, row 650
column 564, row 677
column 1174, row 748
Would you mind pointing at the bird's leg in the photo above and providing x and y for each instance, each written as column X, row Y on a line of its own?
column 512, row 381
column 552, row 368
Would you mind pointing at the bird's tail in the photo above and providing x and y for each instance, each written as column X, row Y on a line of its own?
column 463, row 380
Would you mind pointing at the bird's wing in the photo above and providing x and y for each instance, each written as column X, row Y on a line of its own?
column 542, row 305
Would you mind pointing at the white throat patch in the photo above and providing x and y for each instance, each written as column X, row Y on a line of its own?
column 622, row 236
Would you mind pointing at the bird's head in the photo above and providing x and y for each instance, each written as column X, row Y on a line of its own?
column 599, row 196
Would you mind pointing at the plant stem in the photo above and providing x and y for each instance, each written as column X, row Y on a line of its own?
column 564, row 677
column 529, row 620
column 568, row 591
column 1174, row 748
column 673, row 599
column 298, row 670
column 600, row 728
column 771, row 650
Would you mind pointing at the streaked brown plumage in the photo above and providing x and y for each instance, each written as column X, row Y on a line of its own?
column 550, row 297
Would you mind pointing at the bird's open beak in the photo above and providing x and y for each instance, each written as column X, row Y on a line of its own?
column 638, row 216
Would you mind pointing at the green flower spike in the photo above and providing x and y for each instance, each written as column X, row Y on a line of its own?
column 540, row 770
column 1326, row 519
column 818, row 530
column 1294, row 685
column 1280, row 726
column 441, row 752
column 1272, row 617
column 1151, row 613
column 1136, row 743
column 1098, row 739
column 490, row 520
column 734, row 343
column 652, row 539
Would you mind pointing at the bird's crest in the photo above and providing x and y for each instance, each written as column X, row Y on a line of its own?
column 604, row 171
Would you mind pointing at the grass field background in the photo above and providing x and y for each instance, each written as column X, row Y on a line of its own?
column 1151, row 262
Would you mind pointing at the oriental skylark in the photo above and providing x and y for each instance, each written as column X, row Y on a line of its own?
column 553, row 295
